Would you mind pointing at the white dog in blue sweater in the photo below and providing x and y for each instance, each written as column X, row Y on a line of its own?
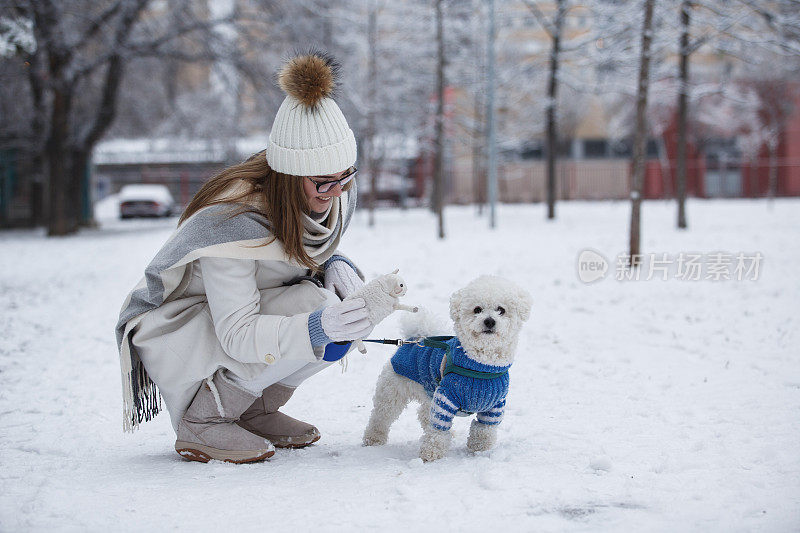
column 456, row 376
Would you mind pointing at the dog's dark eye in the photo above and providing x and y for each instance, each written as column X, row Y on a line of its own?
column 501, row 310
column 401, row 284
column 477, row 310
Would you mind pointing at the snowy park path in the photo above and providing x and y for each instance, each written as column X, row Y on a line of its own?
column 643, row 405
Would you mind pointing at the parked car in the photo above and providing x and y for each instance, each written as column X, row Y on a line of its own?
column 146, row 200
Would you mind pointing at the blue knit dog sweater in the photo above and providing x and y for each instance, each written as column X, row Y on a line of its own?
column 453, row 394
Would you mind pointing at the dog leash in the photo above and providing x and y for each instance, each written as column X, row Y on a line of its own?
column 449, row 365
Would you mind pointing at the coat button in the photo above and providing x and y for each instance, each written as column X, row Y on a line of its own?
column 269, row 358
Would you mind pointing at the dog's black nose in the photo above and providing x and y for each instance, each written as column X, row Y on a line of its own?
column 489, row 322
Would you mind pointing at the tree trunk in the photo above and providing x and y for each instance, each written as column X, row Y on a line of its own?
column 772, row 146
column 61, row 218
column 74, row 182
column 68, row 145
column 478, row 155
column 438, row 174
column 682, row 111
column 491, row 125
column 39, row 126
column 480, row 131
column 80, row 188
column 754, row 192
column 552, row 125
column 371, row 97
column 640, row 144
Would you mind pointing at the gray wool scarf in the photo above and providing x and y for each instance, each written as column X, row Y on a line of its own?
column 211, row 232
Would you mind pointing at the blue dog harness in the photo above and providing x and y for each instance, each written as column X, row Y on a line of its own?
column 457, row 384
column 450, row 366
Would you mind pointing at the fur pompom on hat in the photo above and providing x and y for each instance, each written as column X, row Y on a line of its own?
column 310, row 136
column 309, row 78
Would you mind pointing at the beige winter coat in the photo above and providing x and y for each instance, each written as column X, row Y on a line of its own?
column 179, row 346
column 166, row 334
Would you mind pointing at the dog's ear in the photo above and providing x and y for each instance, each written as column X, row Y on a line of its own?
column 524, row 304
column 455, row 304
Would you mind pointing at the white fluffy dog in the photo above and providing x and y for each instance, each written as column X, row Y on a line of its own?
column 457, row 376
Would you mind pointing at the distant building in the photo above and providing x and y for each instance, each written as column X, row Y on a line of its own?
column 184, row 165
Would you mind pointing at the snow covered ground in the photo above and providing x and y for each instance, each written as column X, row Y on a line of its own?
column 634, row 405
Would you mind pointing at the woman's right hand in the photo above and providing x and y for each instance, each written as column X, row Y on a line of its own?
column 347, row 320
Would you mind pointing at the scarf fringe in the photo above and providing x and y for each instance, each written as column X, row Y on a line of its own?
column 142, row 400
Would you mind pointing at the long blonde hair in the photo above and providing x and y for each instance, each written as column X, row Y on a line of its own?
column 277, row 197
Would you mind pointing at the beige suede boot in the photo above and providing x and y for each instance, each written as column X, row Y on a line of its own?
column 208, row 429
column 264, row 419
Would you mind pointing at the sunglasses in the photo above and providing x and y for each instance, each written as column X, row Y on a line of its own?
column 325, row 186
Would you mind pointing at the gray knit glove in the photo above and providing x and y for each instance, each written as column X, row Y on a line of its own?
column 341, row 278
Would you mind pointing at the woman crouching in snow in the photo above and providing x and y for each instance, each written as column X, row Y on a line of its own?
column 243, row 302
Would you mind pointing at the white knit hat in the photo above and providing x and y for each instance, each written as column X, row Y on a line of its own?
column 310, row 136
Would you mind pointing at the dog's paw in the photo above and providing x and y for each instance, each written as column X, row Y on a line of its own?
column 374, row 438
column 434, row 445
column 481, row 437
column 430, row 454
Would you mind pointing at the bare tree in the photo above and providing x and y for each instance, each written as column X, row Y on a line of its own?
column 640, row 138
column 59, row 73
column 388, row 82
column 683, row 90
column 718, row 24
column 554, row 28
column 767, row 39
column 776, row 98
column 83, row 49
column 479, row 130
column 438, row 172
column 372, row 93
